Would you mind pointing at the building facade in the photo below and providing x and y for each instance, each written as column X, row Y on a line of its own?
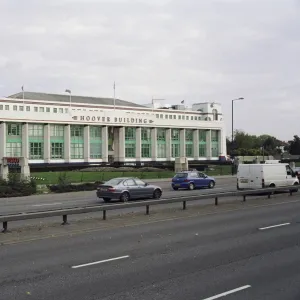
column 51, row 129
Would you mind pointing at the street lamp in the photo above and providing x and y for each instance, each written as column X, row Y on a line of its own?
column 69, row 92
column 232, row 101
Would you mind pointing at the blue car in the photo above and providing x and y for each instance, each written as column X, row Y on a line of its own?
column 192, row 180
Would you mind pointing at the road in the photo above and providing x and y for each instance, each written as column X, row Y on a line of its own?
column 244, row 254
column 57, row 201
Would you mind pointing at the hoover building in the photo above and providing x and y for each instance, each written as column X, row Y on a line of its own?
column 49, row 129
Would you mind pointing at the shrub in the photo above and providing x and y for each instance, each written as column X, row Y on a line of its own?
column 66, row 188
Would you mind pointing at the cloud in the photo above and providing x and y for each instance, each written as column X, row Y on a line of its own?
column 208, row 50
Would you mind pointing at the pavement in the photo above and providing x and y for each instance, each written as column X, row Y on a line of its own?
column 234, row 252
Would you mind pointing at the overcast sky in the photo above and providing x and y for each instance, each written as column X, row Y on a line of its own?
column 196, row 50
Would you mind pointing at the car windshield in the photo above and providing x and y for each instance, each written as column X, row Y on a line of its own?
column 114, row 181
column 181, row 175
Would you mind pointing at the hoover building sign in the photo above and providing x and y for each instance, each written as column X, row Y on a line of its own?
column 112, row 120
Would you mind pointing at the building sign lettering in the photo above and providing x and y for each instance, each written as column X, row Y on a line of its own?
column 112, row 120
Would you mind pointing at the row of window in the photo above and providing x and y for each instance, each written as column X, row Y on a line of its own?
column 35, row 108
column 187, row 117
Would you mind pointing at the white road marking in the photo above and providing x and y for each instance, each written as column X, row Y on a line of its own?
column 100, row 262
column 47, row 204
column 279, row 225
column 228, row 293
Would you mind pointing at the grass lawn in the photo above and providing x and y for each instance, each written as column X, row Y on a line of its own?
column 76, row 177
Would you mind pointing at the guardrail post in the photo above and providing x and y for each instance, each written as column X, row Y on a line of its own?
column 291, row 192
column 65, row 220
column 147, row 209
column 269, row 195
column 216, row 201
column 104, row 215
column 184, row 205
column 244, row 198
column 4, row 227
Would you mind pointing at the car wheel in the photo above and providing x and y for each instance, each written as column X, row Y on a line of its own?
column 106, row 200
column 295, row 190
column 157, row 194
column 125, row 197
column 175, row 188
column 211, row 184
column 191, row 186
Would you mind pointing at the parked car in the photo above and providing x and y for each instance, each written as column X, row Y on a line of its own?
column 192, row 180
column 297, row 172
column 127, row 188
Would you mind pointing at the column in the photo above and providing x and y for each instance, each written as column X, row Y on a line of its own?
column 105, row 144
column 169, row 144
column 3, row 169
column 138, row 150
column 154, row 144
column 182, row 143
column 122, row 144
column 47, row 143
column 208, row 144
column 25, row 141
column 196, row 144
column 67, row 143
column 222, row 141
column 86, row 146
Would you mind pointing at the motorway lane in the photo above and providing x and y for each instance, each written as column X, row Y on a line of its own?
column 57, row 201
column 196, row 258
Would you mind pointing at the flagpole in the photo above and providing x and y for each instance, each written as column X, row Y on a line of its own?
column 23, row 93
column 114, row 95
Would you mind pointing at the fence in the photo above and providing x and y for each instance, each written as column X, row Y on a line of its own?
column 90, row 209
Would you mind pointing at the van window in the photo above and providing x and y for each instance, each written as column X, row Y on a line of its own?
column 288, row 170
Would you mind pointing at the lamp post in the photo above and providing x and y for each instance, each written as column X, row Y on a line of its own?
column 70, row 93
column 232, row 102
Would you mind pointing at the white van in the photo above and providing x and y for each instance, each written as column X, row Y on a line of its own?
column 256, row 176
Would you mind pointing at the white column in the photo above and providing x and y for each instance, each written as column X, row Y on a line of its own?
column 47, row 143
column 208, row 144
column 196, row 144
column 25, row 141
column 154, row 144
column 138, row 144
column 67, row 143
column 182, row 143
column 105, row 144
column 222, row 142
column 86, row 146
column 169, row 144
column 2, row 141
column 121, row 144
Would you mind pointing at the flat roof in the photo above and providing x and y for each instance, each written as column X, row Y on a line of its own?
column 75, row 99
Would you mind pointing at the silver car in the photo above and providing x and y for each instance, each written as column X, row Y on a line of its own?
column 127, row 188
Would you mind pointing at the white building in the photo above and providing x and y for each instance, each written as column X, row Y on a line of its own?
column 50, row 129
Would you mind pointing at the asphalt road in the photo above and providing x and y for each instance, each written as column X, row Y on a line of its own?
column 230, row 255
column 57, row 201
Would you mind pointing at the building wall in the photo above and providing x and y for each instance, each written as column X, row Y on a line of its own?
column 58, row 133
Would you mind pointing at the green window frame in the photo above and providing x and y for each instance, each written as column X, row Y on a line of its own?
column 76, row 131
column 175, row 150
column 36, row 130
column 14, row 130
column 189, row 150
column 36, row 150
column 161, row 151
column 13, row 149
column 57, row 150
column 57, row 131
column 130, row 150
column 146, row 150
column 130, row 134
column 95, row 150
column 77, row 150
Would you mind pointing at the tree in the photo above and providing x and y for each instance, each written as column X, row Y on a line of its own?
column 294, row 146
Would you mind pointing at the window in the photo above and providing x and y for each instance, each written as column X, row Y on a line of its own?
column 76, row 131
column 42, row 109
column 76, row 150
column 189, row 135
column 21, row 108
column 95, row 132
column 130, row 150
column 13, row 149
column 161, row 116
column 14, row 129
column 215, row 114
column 47, row 109
column 36, row 130
column 157, row 116
column 35, row 150
column 161, row 134
column 15, row 107
column 183, row 117
column 130, row 133
column 27, row 108
column 175, row 150
column 161, row 150
column 95, row 150
column 146, row 150
column 166, row 116
column 175, row 135
column 194, row 175
column 35, row 109
column 192, row 118
column 1, row 107
column 61, row 110
column 57, row 150
column 187, row 117
column 6, row 107
column 171, row 116
column 55, row 110
column 146, row 134
column 189, row 150
column 57, row 130
column 202, row 135
column 66, row 110
column 202, row 150
column 214, row 136
column 130, row 182
column 139, row 182
column 179, row 117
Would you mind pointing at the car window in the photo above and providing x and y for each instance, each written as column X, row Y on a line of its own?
column 194, row 175
column 181, row 175
column 114, row 181
column 202, row 175
column 139, row 181
column 130, row 182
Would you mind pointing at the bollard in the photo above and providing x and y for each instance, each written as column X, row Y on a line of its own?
column 147, row 209
column 65, row 220
column 216, row 201
column 244, row 198
column 291, row 192
column 269, row 195
column 184, row 205
column 4, row 227
column 104, row 215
